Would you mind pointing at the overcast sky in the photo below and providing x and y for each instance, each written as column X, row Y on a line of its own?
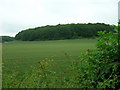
column 17, row 15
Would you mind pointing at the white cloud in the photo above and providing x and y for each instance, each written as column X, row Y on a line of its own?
column 17, row 15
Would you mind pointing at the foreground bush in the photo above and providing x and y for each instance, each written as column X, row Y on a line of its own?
column 99, row 68
column 94, row 69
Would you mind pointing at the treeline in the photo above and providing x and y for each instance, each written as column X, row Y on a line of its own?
column 63, row 31
column 6, row 39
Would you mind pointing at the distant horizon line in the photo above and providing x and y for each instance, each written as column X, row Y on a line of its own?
column 57, row 24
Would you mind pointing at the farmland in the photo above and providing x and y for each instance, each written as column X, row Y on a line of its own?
column 61, row 63
column 19, row 56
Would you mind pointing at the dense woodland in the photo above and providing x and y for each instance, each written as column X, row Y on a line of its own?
column 63, row 31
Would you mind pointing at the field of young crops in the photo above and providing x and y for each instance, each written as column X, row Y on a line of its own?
column 19, row 56
column 61, row 63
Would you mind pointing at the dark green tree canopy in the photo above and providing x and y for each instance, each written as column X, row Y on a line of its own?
column 6, row 38
column 63, row 31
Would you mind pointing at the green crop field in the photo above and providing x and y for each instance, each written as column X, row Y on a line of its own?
column 77, row 63
column 19, row 56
